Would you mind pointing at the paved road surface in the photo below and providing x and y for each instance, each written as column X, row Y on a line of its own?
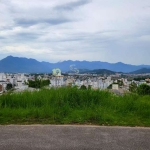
column 47, row 137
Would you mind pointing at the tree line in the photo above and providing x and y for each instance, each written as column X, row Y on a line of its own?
column 38, row 83
column 142, row 89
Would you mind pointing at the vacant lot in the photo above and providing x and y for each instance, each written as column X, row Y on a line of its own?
column 74, row 106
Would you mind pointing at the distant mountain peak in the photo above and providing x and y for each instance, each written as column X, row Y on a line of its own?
column 10, row 56
column 119, row 62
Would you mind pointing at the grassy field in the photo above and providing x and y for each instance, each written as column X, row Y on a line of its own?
column 74, row 106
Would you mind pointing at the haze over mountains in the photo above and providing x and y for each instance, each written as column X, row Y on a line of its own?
column 17, row 64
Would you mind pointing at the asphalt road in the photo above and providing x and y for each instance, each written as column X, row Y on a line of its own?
column 49, row 137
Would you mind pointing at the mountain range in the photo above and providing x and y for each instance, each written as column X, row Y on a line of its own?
column 98, row 71
column 141, row 71
column 19, row 64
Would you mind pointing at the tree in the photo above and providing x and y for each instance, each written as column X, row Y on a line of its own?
column 110, row 86
column 133, row 87
column 38, row 83
column 120, row 82
column 143, row 89
column 83, row 87
column 89, row 87
column 9, row 86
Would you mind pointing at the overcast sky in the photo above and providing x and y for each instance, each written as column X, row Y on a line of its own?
column 57, row 30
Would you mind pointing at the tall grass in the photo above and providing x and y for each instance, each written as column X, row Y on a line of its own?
column 71, row 106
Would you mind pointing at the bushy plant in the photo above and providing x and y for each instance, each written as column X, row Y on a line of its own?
column 89, row 87
column 143, row 89
column 83, row 87
column 38, row 83
column 9, row 86
column 133, row 87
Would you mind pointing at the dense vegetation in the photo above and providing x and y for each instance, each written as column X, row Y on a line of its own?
column 38, row 83
column 142, row 89
column 139, row 78
column 75, row 106
column 9, row 86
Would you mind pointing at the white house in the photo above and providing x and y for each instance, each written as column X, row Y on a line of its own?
column 108, row 79
column 115, row 87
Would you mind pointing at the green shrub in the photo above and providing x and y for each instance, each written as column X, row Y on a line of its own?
column 9, row 86
column 83, row 87
column 38, row 83
column 143, row 89
column 133, row 87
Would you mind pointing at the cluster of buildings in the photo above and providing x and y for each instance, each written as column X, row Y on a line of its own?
column 16, row 80
column 112, row 82
column 94, row 82
column 19, row 81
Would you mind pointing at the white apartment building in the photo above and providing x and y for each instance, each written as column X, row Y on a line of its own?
column 57, row 81
column 78, row 82
column 103, row 84
column 94, row 84
column 3, row 77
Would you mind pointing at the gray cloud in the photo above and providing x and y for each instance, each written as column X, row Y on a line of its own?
column 29, row 22
column 52, row 16
column 2, row 38
column 72, row 5
column 60, row 30
column 27, row 36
